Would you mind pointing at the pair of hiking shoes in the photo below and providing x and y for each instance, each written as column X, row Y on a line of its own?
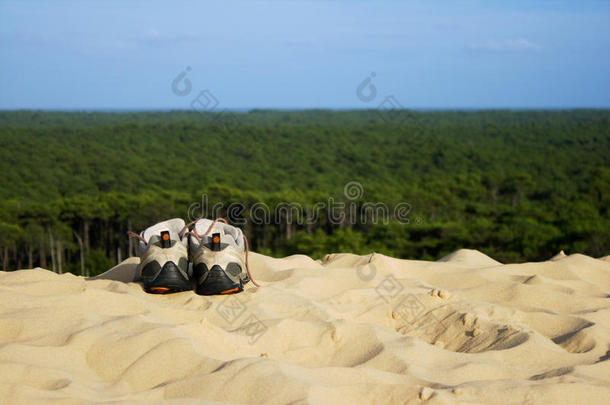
column 212, row 255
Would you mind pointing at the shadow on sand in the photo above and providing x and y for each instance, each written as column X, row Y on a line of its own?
column 124, row 271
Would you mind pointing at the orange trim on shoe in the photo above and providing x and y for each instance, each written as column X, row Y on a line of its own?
column 159, row 290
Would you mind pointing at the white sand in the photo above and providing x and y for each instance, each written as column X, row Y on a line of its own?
column 345, row 330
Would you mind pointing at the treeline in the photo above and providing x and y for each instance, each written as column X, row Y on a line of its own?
column 516, row 185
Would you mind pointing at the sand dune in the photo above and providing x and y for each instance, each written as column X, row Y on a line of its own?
column 346, row 329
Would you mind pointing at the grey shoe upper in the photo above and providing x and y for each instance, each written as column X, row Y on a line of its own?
column 232, row 253
column 153, row 250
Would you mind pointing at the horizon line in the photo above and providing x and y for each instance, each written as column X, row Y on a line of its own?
column 291, row 109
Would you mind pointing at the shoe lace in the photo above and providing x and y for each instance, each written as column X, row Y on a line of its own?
column 137, row 236
column 200, row 237
column 186, row 227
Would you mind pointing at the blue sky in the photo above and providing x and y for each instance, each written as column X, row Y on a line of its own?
column 304, row 54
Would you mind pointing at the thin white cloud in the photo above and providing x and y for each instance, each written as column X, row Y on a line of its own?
column 519, row 44
column 155, row 37
column 152, row 33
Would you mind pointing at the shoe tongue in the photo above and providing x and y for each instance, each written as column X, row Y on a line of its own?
column 156, row 240
column 220, row 230
column 217, row 229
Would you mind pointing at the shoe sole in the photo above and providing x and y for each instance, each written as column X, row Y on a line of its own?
column 217, row 282
column 169, row 280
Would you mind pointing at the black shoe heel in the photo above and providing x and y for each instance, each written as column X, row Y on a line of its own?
column 169, row 279
column 217, row 283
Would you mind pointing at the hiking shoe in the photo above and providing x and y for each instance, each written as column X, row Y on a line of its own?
column 163, row 255
column 219, row 253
